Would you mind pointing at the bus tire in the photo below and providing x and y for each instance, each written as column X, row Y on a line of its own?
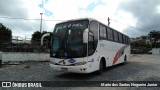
column 101, row 68
column 125, row 59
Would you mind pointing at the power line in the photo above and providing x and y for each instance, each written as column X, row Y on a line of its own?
column 65, row 20
column 128, row 25
column 29, row 19
column 136, row 27
column 18, row 18
column 124, row 24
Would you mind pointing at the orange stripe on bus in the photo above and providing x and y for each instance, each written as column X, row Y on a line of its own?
column 116, row 57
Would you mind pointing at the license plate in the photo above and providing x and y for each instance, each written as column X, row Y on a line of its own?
column 64, row 69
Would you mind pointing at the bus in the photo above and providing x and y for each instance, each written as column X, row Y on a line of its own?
column 87, row 45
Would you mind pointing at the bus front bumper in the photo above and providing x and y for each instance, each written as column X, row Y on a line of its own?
column 73, row 69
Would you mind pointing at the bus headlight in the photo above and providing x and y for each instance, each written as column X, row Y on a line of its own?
column 51, row 62
column 80, row 63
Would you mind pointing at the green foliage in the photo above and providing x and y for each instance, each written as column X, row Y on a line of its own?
column 154, row 37
column 5, row 34
column 140, row 43
column 36, row 37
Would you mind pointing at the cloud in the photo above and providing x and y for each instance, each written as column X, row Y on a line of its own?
column 141, row 14
column 68, row 9
column 58, row 10
column 110, row 9
column 13, row 8
column 20, row 9
column 146, row 14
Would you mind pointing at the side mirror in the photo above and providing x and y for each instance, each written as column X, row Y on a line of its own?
column 47, row 34
column 85, row 35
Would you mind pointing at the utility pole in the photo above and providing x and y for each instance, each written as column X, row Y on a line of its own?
column 41, row 23
column 108, row 21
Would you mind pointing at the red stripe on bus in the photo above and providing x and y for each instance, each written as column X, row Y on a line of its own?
column 116, row 57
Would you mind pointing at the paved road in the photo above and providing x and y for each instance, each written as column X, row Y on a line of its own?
column 138, row 68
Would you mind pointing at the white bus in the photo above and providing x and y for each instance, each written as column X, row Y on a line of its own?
column 87, row 45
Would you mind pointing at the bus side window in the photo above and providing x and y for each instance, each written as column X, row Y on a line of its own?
column 120, row 37
column 115, row 36
column 102, row 31
column 106, row 33
column 94, row 28
column 90, row 43
column 125, row 39
column 110, row 34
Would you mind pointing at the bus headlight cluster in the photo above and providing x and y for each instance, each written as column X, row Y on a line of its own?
column 51, row 62
column 80, row 63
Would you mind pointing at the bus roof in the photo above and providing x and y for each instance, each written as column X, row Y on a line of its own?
column 74, row 20
column 90, row 19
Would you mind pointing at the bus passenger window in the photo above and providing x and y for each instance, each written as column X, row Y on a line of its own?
column 110, row 34
column 120, row 38
column 91, row 44
column 115, row 36
column 102, row 31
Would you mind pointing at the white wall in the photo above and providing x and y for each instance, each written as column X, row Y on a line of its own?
column 23, row 56
column 156, row 51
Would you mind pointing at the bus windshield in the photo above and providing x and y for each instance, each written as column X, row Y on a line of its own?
column 67, row 40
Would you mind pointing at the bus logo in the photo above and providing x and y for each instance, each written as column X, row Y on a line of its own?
column 71, row 60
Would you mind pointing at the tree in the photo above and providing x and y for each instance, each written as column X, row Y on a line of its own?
column 5, row 34
column 36, row 37
column 155, row 36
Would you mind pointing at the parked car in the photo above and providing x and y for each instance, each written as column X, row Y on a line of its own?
column 149, row 52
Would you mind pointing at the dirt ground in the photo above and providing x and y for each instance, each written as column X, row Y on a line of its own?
column 138, row 68
column 150, row 74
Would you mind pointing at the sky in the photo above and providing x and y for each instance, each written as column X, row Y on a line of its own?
column 131, row 17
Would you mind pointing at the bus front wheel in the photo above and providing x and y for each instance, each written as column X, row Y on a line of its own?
column 101, row 68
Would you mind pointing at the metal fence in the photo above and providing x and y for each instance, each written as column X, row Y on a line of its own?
column 34, row 46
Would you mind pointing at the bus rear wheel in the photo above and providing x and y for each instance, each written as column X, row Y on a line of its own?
column 125, row 59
